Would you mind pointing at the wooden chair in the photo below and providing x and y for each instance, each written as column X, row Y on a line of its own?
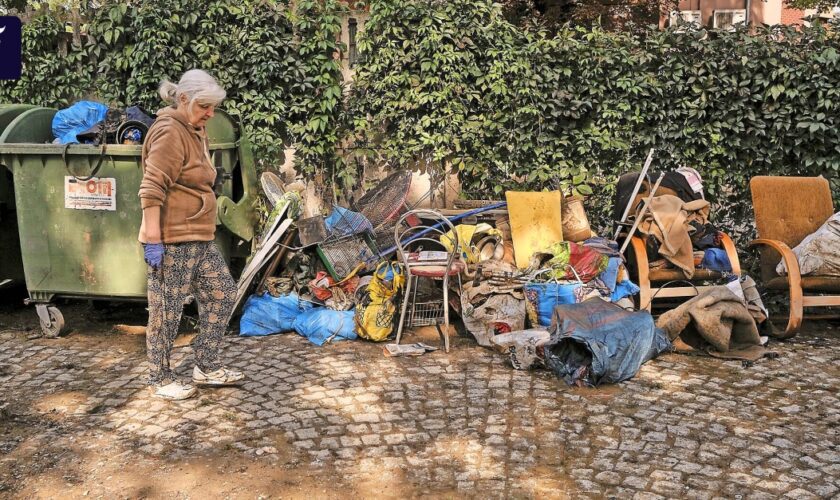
column 652, row 282
column 787, row 209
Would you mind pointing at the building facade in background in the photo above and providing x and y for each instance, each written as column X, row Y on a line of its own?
column 351, row 25
column 724, row 14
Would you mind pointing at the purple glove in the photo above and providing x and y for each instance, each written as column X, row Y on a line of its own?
column 153, row 254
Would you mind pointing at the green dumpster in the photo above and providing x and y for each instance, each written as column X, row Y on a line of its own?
column 78, row 213
column 11, row 266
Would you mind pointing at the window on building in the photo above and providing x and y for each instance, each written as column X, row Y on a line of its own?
column 352, row 55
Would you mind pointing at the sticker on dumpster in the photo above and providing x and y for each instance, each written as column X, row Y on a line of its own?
column 92, row 194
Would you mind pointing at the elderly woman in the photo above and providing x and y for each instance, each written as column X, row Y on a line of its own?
column 177, row 233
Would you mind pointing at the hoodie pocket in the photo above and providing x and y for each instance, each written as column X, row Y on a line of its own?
column 204, row 209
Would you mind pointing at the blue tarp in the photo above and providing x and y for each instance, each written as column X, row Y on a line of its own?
column 76, row 119
column 264, row 314
column 321, row 325
column 597, row 342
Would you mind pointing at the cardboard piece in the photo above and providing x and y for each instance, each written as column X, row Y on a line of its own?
column 535, row 222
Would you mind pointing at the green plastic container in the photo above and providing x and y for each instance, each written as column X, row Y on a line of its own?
column 11, row 265
column 78, row 211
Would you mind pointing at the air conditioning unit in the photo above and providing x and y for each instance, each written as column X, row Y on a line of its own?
column 682, row 17
column 727, row 19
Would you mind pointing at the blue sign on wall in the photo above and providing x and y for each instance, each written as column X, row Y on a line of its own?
column 9, row 48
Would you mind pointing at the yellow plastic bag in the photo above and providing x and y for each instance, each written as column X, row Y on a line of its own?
column 374, row 316
column 466, row 233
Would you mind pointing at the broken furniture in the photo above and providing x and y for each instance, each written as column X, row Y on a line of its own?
column 654, row 283
column 423, row 256
column 787, row 209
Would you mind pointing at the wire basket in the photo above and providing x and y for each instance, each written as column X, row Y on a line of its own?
column 342, row 255
column 426, row 313
column 387, row 201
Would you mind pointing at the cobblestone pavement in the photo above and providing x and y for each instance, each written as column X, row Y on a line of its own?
column 465, row 422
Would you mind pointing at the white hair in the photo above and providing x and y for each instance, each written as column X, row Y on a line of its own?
column 196, row 85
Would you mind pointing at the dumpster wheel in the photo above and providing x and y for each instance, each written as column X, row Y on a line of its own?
column 53, row 328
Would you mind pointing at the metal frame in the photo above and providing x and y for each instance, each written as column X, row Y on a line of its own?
column 405, row 236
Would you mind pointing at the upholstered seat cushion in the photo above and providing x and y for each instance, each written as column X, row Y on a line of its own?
column 437, row 271
column 788, row 209
column 809, row 283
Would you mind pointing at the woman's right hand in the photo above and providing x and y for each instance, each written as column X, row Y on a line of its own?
column 153, row 247
column 151, row 225
column 153, row 254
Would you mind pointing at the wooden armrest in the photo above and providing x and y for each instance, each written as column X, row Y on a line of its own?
column 732, row 253
column 787, row 255
column 640, row 255
column 794, row 279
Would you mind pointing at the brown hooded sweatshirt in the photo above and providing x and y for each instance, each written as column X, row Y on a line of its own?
column 178, row 176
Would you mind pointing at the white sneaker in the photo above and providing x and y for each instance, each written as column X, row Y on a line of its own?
column 173, row 391
column 218, row 378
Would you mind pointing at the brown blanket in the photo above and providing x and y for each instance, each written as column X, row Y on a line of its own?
column 717, row 323
column 668, row 221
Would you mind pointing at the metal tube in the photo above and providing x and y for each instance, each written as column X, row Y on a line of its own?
column 642, row 177
column 641, row 213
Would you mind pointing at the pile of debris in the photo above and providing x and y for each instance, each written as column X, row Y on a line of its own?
column 527, row 276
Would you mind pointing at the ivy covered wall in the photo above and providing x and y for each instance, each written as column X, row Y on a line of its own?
column 275, row 61
column 454, row 85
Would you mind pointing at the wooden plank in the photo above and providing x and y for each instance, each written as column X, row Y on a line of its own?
column 449, row 212
column 821, row 301
column 677, row 291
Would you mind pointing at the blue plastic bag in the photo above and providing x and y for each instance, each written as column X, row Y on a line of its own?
column 321, row 325
column 623, row 289
column 264, row 314
column 541, row 298
column 343, row 222
column 76, row 119
column 610, row 275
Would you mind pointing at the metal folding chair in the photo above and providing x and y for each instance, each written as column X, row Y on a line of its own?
column 419, row 247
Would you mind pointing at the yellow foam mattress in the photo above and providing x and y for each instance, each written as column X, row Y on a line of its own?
column 535, row 222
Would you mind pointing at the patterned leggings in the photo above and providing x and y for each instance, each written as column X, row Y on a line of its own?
column 198, row 268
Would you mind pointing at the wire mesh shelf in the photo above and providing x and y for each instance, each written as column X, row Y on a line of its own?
column 426, row 313
column 342, row 255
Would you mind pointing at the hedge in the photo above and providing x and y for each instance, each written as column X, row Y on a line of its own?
column 274, row 61
column 453, row 83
